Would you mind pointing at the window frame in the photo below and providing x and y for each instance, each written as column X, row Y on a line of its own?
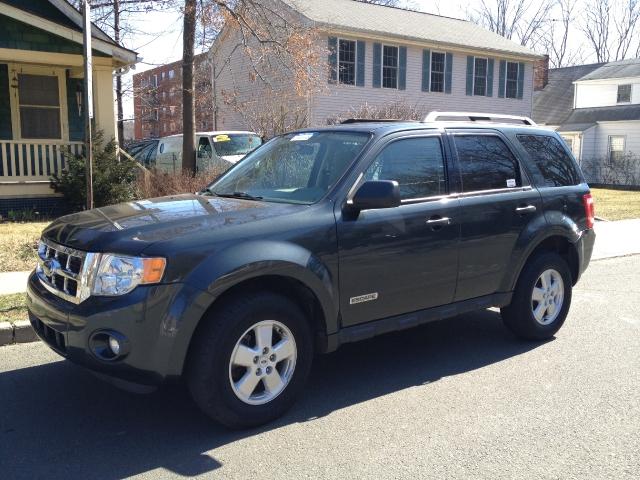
column 397, row 67
column 609, row 149
column 372, row 154
column 618, row 92
column 355, row 61
column 486, row 76
column 60, row 73
column 444, row 71
column 525, row 179
column 506, row 79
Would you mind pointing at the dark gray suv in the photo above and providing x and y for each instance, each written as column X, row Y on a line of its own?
column 318, row 238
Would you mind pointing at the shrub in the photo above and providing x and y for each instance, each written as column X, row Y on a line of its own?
column 113, row 179
column 156, row 183
column 622, row 171
column 398, row 110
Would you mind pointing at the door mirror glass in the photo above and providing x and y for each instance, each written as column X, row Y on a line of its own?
column 376, row 194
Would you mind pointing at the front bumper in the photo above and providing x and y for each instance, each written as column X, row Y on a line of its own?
column 157, row 322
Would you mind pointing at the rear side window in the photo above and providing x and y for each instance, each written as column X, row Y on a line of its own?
column 417, row 164
column 555, row 166
column 486, row 163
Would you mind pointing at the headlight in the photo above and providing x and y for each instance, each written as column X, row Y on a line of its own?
column 117, row 275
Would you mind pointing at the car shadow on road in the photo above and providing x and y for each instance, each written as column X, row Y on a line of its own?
column 58, row 421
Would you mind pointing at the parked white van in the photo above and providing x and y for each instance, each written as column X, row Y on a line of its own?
column 213, row 149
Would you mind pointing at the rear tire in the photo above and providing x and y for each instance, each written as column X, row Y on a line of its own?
column 224, row 377
column 541, row 300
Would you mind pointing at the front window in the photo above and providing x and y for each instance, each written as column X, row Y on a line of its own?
column 624, row 93
column 389, row 67
column 228, row 144
column 39, row 104
column 347, row 62
column 293, row 168
column 512, row 80
column 437, row 71
column 480, row 77
column 616, row 148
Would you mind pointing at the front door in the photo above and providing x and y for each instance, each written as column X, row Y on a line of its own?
column 496, row 204
column 402, row 259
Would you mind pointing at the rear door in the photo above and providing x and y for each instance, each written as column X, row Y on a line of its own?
column 402, row 259
column 497, row 202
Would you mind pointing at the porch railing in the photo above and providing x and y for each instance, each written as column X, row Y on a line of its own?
column 33, row 161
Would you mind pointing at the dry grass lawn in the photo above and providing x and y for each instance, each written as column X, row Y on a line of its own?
column 616, row 204
column 12, row 307
column 18, row 243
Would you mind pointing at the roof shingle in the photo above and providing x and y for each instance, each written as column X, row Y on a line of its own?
column 389, row 21
column 619, row 69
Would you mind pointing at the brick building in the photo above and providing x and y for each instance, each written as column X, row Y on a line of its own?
column 157, row 99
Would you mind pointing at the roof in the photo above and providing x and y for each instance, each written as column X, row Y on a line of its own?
column 62, row 13
column 406, row 24
column 620, row 69
column 604, row 114
column 553, row 104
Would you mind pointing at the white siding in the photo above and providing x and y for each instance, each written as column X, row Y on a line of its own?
column 599, row 147
column 604, row 94
column 337, row 100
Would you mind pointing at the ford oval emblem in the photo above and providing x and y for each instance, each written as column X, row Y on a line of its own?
column 49, row 266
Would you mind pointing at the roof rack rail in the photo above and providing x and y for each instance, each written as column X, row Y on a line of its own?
column 374, row 120
column 479, row 117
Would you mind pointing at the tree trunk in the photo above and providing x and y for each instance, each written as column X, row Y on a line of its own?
column 188, row 107
column 116, row 35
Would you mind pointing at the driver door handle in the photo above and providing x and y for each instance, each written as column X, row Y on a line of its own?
column 437, row 221
column 526, row 209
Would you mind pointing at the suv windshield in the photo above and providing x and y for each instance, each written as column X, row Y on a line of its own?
column 293, row 168
column 227, row 144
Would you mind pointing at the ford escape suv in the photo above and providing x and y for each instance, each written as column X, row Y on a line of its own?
column 318, row 238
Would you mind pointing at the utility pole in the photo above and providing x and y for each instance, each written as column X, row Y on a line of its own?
column 88, row 100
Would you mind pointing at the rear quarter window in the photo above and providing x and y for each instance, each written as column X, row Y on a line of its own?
column 553, row 165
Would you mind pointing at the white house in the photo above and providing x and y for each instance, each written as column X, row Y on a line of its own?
column 596, row 108
column 377, row 55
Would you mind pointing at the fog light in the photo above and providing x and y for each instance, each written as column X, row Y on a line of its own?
column 114, row 345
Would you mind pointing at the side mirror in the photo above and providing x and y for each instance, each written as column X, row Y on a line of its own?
column 376, row 194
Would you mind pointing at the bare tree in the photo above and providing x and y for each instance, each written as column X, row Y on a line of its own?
column 386, row 3
column 188, row 106
column 556, row 39
column 610, row 27
column 520, row 20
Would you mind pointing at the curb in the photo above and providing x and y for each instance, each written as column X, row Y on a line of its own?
column 18, row 332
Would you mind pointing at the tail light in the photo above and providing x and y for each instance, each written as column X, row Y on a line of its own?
column 589, row 209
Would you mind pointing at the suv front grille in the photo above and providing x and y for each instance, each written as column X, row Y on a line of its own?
column 60, row 269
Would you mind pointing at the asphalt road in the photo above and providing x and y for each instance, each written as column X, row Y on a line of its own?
column 454, row 399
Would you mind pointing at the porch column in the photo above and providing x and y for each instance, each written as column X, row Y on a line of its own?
column 104, row 102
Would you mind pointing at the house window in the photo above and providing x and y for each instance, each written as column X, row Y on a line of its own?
column 616, row 148
column 389, row 67
column 480, row 76
column 155, row 114
column 437, row 71
column 171, row 73
column 511, row 83
column 155, row 80
column 347, row 62
column 624, row 93
column 39, row 105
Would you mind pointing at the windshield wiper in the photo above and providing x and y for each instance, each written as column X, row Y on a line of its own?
column 243, row 195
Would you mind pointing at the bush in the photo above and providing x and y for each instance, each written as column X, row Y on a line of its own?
column 114, row 180
column 622, row 171
column 156, row 183
column 398, row 110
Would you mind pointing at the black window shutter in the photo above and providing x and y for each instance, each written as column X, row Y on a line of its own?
column 360, row 67
column 502, row 74
column 470, row 75
column 377, row 65
column 333, row 60
column 490, row 77
column 402, row 71
column 426, row 69
column 448, row 71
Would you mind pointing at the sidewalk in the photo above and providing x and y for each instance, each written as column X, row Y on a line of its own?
column 13, row 282
column 615, row 239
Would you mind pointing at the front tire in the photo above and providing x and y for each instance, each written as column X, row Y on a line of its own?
column 541, row 300
column 250, row 360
